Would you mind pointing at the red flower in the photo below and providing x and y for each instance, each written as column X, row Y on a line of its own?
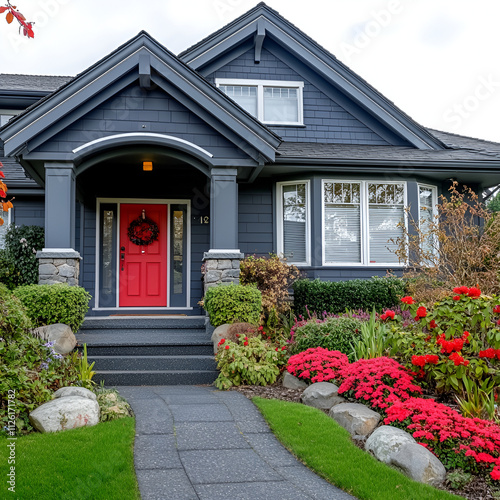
column 227, row 347
column 408, row 300
column 221, row 341
column 474, row 293
column 461, row 290
column 495, row 473
column 496, row 309
column 457, row 297
column 245, row 343
column 421, row 312
column 432, row 324
column 458, row 360
column 283, row 348
column 388, row 314
column 260, row 328
column 488, row 353
column 246, row 338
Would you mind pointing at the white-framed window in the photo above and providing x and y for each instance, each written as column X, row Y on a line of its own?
column 7, row 217
column 293, row 201
column 427, row 210
column 359, row 220
column 271, row 102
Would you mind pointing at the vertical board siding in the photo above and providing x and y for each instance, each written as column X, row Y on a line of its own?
column 324, row 120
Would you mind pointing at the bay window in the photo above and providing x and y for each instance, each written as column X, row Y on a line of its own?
column 359, row 220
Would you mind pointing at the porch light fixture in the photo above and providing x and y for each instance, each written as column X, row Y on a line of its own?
column 147, row 166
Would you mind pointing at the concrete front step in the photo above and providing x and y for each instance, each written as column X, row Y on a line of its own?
column 156, row 377
column 184, row 349
column 155, row 363
column 143, row 322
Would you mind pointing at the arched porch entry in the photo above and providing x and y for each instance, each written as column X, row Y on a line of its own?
column 189, row 203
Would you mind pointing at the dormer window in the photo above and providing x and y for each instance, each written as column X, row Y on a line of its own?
column 271, row 102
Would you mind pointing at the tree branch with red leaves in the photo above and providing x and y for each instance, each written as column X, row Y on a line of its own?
column 13, row 13
column 4, row 204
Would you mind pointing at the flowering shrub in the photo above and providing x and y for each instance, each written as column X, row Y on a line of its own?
column 456, row 341
column 317, row 364
column 469, row 443
column 380, row 382
column 251, row 361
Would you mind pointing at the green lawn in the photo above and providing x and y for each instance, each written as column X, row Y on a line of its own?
column 326, row 448
column 88, row 463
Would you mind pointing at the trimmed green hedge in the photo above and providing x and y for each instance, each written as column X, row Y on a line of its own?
column 49, row 304
column 337, row 296
column 233, row 304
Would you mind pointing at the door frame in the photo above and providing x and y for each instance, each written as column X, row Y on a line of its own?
column 167, row 202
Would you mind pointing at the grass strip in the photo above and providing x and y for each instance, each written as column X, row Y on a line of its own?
column 326, row 448
column 81, row 464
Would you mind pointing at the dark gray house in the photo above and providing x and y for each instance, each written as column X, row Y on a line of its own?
column 254, row 140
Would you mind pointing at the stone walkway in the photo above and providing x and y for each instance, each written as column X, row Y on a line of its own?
column 198, row 443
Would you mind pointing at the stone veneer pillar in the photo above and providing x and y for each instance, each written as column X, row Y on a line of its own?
column 58, row 266
column 222, row 267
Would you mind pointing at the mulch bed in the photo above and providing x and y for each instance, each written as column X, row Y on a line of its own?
column 477, row 489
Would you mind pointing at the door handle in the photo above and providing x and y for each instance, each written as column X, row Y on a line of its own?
column 122, row 257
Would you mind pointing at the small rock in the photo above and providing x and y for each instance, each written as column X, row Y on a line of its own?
column 322, row 395
column 355, row 418
column 291, row 382
column 61, row 335
column 65, row 413
column 219, row 333
column 79, row 392
column 386, row 440
column 419, row 464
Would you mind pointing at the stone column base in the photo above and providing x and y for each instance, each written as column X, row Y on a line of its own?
column 58, row 266
column 222, row 267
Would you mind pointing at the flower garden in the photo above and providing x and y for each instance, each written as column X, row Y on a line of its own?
column 432, row 370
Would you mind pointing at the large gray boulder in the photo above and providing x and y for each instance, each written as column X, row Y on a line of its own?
column 80, row 392
column 386, row 440
column 291, row 382
column 322, row 395
column 359, row 420
column 419, row 464
column 61, row 335
column 218, row 334
column 65, row 413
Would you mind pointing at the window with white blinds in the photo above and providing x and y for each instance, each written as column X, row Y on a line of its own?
column 342, row 224
column 294, row 222
column 272, row 102
column 427, row 201
column 360, row 219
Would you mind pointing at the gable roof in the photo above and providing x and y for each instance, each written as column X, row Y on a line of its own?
column 144, row 59
column 262, row 21
column 38, row 83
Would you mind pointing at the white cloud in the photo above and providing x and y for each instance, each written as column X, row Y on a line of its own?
column 427, row 58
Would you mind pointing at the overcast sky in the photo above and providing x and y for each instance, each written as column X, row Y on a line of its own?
column 438, row 60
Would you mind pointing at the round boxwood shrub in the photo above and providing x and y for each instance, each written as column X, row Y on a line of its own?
column 50, row 304
column 232, row 304
column 334, row 334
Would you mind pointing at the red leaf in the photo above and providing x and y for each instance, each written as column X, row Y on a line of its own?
column 2, row 194
column 1, row 221
column 2, row 175
column 10, row 17
column 3, row 9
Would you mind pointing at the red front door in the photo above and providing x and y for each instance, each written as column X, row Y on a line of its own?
column 143, row 267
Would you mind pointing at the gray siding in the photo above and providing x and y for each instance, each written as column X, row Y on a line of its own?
column 29, row 212
column 324, row 120
column 87, row 264
column 137, row 110
column 255, row 219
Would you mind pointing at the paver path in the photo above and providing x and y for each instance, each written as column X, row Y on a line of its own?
column 199, row 443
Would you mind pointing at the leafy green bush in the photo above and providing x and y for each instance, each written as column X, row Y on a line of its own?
column 21, row 245
column 31, row 372
column 8, row 273
column 252, row 361
column 273, row 277
column 49, row 304
column 233, row 304
column 334, row 334
column 335, row 297
column 13, row 319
